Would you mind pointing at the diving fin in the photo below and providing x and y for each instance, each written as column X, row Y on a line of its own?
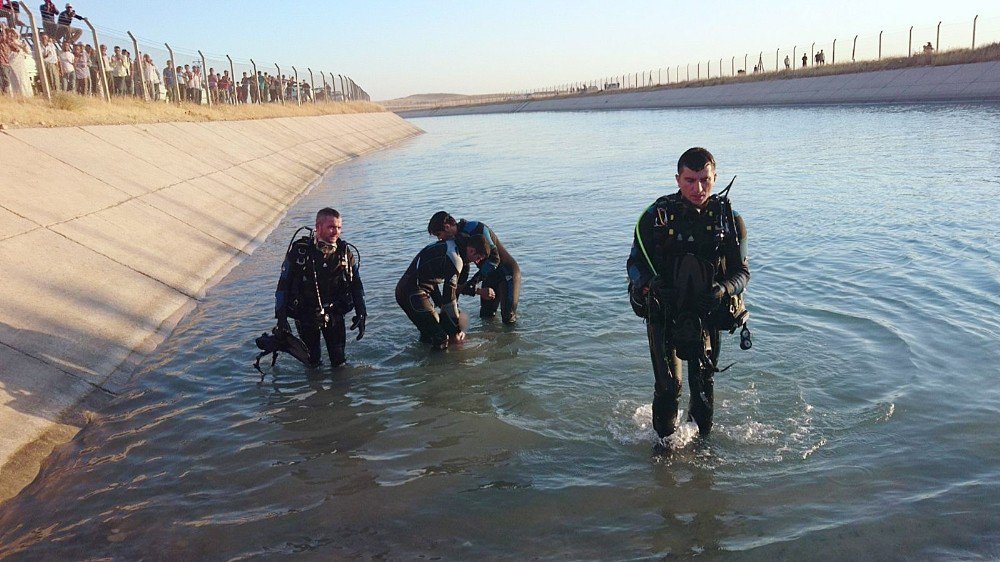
column 294, row 347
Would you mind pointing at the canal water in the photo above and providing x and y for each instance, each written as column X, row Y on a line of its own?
column 862, row 424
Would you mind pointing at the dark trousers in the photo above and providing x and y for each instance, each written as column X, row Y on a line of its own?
column 419, row 308
column 335, row 335
column 668, row 385
column 506, row 283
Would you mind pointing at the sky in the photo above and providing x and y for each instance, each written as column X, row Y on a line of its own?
column 395, row 48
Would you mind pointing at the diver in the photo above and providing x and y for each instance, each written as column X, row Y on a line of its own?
column 320, row 282
column 687, row 272
column 433, row 279
column 498, row 271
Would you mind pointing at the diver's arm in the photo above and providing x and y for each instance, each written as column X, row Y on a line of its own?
column 637, row 265
column 492, row 261
column 358, row 292
column 737, row 265
column 281, row 295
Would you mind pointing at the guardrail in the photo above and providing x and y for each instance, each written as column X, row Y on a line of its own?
column 110, row 75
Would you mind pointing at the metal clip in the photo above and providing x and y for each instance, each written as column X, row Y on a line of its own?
column 745, row 341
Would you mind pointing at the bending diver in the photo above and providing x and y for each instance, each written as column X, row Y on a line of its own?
column 499, row 271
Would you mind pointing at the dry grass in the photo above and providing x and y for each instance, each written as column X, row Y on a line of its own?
column 70, row 110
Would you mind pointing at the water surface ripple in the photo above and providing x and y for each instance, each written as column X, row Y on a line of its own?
column 862, row 425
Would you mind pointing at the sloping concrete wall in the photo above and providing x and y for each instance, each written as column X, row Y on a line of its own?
column 962, row 82
column 110, row 234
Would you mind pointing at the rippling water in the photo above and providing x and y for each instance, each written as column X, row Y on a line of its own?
column 862, row 425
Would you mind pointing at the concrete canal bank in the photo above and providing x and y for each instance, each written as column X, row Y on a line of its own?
column 925, row 84
column 109, row 235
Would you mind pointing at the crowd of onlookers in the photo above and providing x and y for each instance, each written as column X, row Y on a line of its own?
column 72, row 66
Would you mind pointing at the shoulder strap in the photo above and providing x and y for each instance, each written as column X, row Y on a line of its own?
column 642, row 245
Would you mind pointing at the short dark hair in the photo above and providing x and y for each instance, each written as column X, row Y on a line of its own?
column 437, row 222
column 479, row 244
column 695, row 159
column 326, row 212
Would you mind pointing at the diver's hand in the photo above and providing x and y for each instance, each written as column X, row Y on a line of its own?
column 358, row 323
column 713, row 298
column 458, row 338
column 283, row 325
column 486, row 293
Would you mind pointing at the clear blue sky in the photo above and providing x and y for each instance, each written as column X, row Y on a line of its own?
column 400, row 47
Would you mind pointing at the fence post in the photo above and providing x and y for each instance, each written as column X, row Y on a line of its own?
column 142, row 70
column 232, row 73
column 104, row 70
column 204, row 78
column 312, row 86
column 732, row 65
column 812, row 53
column 973, row 31
column 254, row 83
column 834, row 54
column 43, row 72
column 909, row 48
column 854, row 47
column 281, row 87
column 325, row 90
column 746, row 56
column 879, row 45
column 298, row 89
column 343, row 92
column 720, row 68
column 776, row 53
column 937, row 42
column 795, row 61
column 177, row 79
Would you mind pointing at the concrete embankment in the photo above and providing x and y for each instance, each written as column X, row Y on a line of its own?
column 109, row 235
column 924, row 84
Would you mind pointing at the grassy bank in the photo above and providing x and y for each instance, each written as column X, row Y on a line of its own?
column 70, row 110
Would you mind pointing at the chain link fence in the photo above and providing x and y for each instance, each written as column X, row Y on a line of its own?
column 70, row 53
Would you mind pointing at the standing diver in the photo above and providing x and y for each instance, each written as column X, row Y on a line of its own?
column 498, row 271
column 688, row 259
column 418, row 291
column 319, row 284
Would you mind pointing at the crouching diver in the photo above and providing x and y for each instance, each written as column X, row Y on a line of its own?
column 433, row 279
column 319, row 284
column 499, row 271
column 687, row 273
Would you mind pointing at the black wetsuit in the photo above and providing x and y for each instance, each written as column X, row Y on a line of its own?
column 499, row 272
column 678, row 251
column 433, row 279
column 315, row 286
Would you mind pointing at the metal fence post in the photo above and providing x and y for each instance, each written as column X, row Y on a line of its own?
column 281, row 87
column 973, row 31
column 746, row 57
column 177, row 79
column 776, row 52
column 44, row 74
column 812, row 52
column 142, row 69
column 937, row 42
column 298, row 89
column 104, row 76
column 854, row 47
column 732, row 65
column 795, row 61
column 909, row 48
column 254, row 83
column 232, row 73
column 204, row 77
column 879, row 45
column 834, row 54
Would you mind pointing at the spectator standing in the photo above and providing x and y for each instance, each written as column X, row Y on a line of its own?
column 213, row 86
column 95, row 70
column 805, row 60
column 107, row 70
column 67, row 68
column 169, row 79
column 49, row 14
column 196, row 84
column 225, row 87
column 128, row 90
column 6, row 73
column 50, row 58
column 68, row 33
column 152, row 77
column 119, row 72
column 788, row 62
column 245, row 89
column 19, row 57
column 261, row 87
column 81, row 63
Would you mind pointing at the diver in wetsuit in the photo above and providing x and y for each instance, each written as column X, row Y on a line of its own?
column 687, row 269
column 319, row 284
column 433, row 279
column 498, row 272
